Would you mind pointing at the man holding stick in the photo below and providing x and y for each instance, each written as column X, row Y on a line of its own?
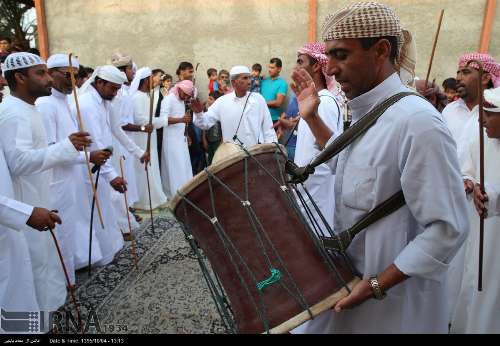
column 30, row 162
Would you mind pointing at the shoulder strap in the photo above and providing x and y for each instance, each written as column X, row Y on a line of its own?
column 342, row 240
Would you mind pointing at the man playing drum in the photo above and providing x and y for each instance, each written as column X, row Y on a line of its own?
column 404, row 257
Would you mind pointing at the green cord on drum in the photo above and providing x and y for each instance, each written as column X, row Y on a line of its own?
column 275, row 277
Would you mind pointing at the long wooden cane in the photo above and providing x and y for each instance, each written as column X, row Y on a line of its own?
column 148, row 147
column 134, row 252
column 81, row 128
column 481, row 168
column 434, row 48
column 68, row 282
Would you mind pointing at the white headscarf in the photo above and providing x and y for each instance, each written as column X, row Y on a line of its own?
column 141, row 73
column 61, row 60
column 108, row 73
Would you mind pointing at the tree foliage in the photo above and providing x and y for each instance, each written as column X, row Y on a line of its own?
column 13, row 22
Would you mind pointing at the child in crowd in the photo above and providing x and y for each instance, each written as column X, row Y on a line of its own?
column 212, row 80
column 256, row 78
column 450, row 89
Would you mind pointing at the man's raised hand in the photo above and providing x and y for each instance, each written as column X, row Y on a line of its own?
column 305, row 90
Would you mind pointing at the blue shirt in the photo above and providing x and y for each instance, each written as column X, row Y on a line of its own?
column 270, row 89
column 291, row 112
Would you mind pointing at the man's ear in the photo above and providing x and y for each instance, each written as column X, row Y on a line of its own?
column 20, row 77
column 486, row 79
column 382, row 49
column 317, row 67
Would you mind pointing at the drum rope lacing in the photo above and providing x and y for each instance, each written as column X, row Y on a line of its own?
column 276, row 277
column 256, row 226
column 315, row 231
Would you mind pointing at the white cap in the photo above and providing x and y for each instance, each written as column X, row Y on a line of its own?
column 61, row 60
column 17, row 61
column 492, row 96
column 237, row 70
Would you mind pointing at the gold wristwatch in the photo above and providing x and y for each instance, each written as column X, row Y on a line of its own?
column 377, row 291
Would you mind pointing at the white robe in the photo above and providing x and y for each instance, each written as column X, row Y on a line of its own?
column 459, row 118
column 176, row 167
column 95, row 115
column 17, row 286
column 141, row 117
column 122, row 113
column 67, row 190
column 409, row 148
column 478, row 312
column 256, row 125
column 320, row 184
column 30, row 162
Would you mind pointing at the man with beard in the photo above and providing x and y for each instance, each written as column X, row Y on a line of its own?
column 466, row 110
column 68, row 194
column 96, row 96
column 30, row 161
column 461, row 117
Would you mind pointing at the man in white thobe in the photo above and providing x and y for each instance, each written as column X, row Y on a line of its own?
column 95, row 107
column 17, row 287
column 403, row 257
column 68, row 193
column 141, row 102
column 30, row 162
column 176, row 169
column 244, row 116
column 124, row 130
column 477, row 312
column 320, row 185
column 461, row 117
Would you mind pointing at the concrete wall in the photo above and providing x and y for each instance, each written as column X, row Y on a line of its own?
column 222, row 33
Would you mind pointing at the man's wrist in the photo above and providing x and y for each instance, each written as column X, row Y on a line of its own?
column 378, row 292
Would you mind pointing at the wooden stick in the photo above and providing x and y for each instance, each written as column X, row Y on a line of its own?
column 134, row 252
column 148, row 147
column 81, row 128
column 68, row 282
column 434, row 48
column 481, row 169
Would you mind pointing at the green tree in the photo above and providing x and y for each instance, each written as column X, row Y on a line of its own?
column 13, row 22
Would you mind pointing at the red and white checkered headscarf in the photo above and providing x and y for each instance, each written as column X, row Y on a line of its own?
column 489, row 65
column 316, row 50
column 369, row 20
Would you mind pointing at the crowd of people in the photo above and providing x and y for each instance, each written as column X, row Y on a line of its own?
column 418, row 264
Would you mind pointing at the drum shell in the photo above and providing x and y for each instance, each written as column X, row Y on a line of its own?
column 283, row 226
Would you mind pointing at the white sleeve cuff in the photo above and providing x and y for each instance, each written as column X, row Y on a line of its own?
column 413, row 261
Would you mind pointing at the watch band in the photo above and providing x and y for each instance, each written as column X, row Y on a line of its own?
column 377, row 291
